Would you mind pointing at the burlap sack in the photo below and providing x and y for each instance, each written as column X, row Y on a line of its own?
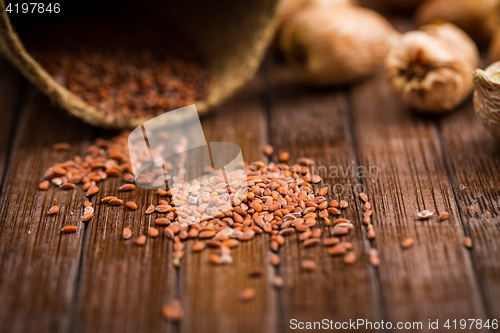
column 231, row 35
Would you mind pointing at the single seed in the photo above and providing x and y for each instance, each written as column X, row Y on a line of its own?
column 284, row 156
column 308, row 265
column 173, row 311
column 108, row 199
column 206, row 234
column 86, row 217
column 278, row 282
column 425, row 214
column 247, row 294
column 323, row 191
column 275, row 260
column 334, row 204
column 256, row 272
column 230, row 243
column 87, row 204
column 153, row 232
column 53, row 210
column 331, row 241
column 150, row 209
column 67, row 186
column 468, row 242
column 367, row 206
column 444, row 215
column 311, row 242
column 69, row 229
column 337, row 250
column 162, row 192
column 350, row 258
column 116, row 202
column 213, row 243
column 92, row 190
column 127, row 233
column 162, row 221
column 44, row 185
column 214, row 259
column 374, row 260
column 371, row 234
column 60, row 146
column 363, row 197
column 198, row 246
column 141, row 240
column 343, row 204
column 131, row 205
column 407, row 243
column 268, row 150
column 127, row 187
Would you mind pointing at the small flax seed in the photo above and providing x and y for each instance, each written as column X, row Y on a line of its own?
column 153, row 232
column 150, row 210
column 127, row 233
column 44, row 185
column 92, row 190
column 108, row 199
column 247, row 294
column 444, row 215
column 334, row 203
column 61, row 146
column 331, row 241
column 371, row 234
column 284, row 156
column 343, row 204
column 162, row 192
column 87, row 204
column 363, row 197
column 275, row 260
column 350, row 258
column 214, row 259
column 53, row 210
column 87, row 216
column 116, row 202
column 268, row 150
column 198, row 246
column 311, row 242
column 308, row 265
column 141, row 240
column 173, row 311
column 407, row 243
column 374, row 260
column 468, row 242
column 323, row 191
column 367, row 206
column 162, row 221
column 68, row 186
column 127, row 187
column 131, row 205
column 337, row 250
column 256, row 272
column 69, row 229
column 425, row 214
column 278, row 282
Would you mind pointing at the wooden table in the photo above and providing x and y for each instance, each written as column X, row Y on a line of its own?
column 93, row 281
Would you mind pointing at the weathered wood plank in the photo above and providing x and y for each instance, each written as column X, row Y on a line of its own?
column 314, row 123
column 10, row 91
column 39, row 265
column 211, row 294
column 473, row 160
column 434, row 279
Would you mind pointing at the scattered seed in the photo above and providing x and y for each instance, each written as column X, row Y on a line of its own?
column 444, row 215
column 87, row 216
column 69, row 229
column 268, row 150
column 108, row 199
column 374, row 260
column 323, row 191
column 275, row 260
column 116, row 202
column 407, row 243
column 153, row 232
column 127, row 187
column 468, row 242
column 343, row 204
column 308, row 265
column 131, row 205
column 247, row 294
column 141, row 240
column 284, row 156
column 311, row 242
column 363, row 197
column 278, row 282
column 337, row 250
column 198, row 246
column 331, row 241
column 150, row 209
column 61, row 146
column 92, row 190
column 371, row 234
column 68, row 186
column 425, row 214
column 256, row 272
column 350, row 258
column 127, row 233
column 53, row 210
column 334, row 204
column 173, row 311
column 44, row 185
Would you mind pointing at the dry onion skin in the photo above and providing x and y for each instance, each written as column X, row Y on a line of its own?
column 478, row 18
column 487, row 97
column 430, row 69
column 327, row 45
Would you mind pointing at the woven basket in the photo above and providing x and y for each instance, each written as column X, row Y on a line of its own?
column 231, row 36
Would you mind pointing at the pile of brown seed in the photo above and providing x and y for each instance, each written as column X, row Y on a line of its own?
column 144, row 70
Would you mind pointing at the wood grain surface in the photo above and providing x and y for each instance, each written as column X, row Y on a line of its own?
column 94, row 281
